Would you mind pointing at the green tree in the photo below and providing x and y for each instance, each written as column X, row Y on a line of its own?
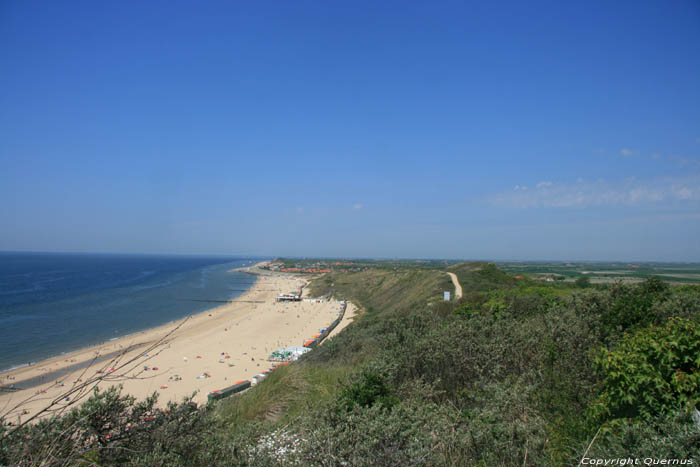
column 583, row 282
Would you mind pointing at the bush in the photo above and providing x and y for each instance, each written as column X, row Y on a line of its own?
column 652, row 371
column 370, row 390
column 421, row 432
column 667, row 436
column 111, row 428
column 633, row 306
column 369, row 436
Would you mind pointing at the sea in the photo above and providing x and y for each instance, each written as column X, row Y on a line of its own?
column 54, row 303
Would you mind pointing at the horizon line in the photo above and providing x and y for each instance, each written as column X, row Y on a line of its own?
column 354, row 258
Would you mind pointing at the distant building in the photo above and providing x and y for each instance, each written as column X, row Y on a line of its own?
column 289, row 297
column 446, row 296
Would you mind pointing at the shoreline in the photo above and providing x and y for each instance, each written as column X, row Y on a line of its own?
column 203, row 353
column 71, row 354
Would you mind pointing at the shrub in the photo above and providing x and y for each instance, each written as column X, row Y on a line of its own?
column 652, row 371
column 421, row 432
column 667, row 436
column 111, row 428
column 633, row 306
column 371, row 389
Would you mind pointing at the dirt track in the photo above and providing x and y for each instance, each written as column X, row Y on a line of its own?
column 455, row 281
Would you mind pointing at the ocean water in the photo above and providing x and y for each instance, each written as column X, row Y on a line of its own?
column 55, row 303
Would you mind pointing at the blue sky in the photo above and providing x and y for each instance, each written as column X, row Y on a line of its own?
column 489, row 130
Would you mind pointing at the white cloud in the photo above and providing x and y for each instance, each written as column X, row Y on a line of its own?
column 627, row 152
column 626, row 192
column 519, row 188
column 357, row 206
column 684, row 193
column 544, row 184
column 300, row 210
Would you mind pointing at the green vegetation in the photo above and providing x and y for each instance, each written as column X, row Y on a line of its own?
column 517, row 372
column 364, row 264
column 583, row 282
column 110, row 428
column 653, row 371
column 368, row 390
column 385, row 290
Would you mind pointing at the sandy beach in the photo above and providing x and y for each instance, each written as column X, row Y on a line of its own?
column 206, row 352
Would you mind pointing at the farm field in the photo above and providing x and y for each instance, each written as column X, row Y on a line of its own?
column 602, row 272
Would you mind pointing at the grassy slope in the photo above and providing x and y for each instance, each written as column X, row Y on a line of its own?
column 385, row 290
column 480, row 276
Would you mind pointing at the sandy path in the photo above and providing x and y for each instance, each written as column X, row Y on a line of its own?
column 211, row 350
column 455, row 281
column 350, row 313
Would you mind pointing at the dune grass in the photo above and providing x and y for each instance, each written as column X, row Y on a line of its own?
column 287, row 393
column 385, row 290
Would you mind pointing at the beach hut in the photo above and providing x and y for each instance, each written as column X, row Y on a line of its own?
column 236, row 388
